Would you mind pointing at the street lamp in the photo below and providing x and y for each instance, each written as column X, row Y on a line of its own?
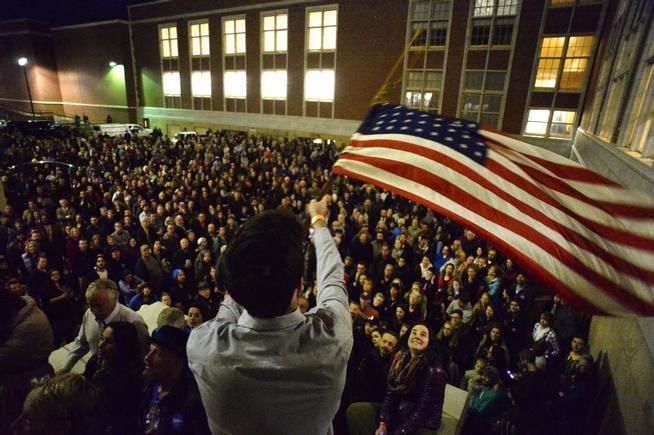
column 112, row 64
column 22, row 62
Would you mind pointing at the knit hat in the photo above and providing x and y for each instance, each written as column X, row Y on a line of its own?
column 173, row 339
column 176, row 272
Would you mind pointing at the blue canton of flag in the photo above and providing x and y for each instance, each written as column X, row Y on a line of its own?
column 460, row 135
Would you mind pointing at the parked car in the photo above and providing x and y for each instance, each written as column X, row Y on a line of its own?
column 183, row 135
column 114, row 129
column 38, row 128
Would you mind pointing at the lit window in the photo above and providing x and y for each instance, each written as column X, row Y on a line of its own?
column 201, row 83
column 575, row 62
column 540, row 124
column 234, row 36
column 562, row 122
column 537, row 122
column 322, row 30
column 275, row 33
column 235, row 83
column 273, row 85
column 562, row 2
column 507, row 7
column 171, row 84
column 169, row 42
column 200, row 39
column 420, row 11
column 319, row 85
column 484, row 8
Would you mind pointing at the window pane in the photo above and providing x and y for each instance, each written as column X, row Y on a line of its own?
column 269, row 41
column 330, row 18
column 433, row 80
column 421, row 39
column 229, row 26
column 503, row 31
column 229, row 44
column 281, row 40
column 489, row 120
column 495, row 81
column 205, row 45
column 507, row 7
column 204, row 29
column 173, row 48
column 471, row 103
column 173, row 32
column 282, row 21
column 420, row 11
column 413, row 99
column 483, row 8
column 195, row 47
column 438, row 34
column 329, row 38
column 165, row 48
column 240, row 43
column 473, row 80
column 492, row 103
column 273, row 85
column 195, row 30
column 171, row 84
column 315, row 38
column 201, row 83
column 235, row 84
column 579, row 46
column 537, row 122
column 164, row 33
column 240, row 26
column 414, row 79
column 552, row 47
column 315, row 19
column 574, row 72
column 319, row 85
column 440, row 10
column 480, row 32
column 269, row 23
column 547, row 72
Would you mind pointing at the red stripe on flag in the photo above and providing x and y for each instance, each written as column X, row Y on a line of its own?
column 466, row 200
column 569, row 172
column 532, row 267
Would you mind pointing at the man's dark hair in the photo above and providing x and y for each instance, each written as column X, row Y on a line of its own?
column 263, row 265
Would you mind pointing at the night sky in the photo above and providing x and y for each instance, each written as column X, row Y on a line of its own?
column 65, row 12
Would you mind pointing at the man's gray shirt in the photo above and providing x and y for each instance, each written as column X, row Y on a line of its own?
column 277, row 376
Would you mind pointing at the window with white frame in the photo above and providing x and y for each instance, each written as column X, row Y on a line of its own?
column 168, row 38
column 200, row 39
column 170, row 76
column 483, row 93
column 423, row 89
column 433, row 17
column 171, row 84
column 234, row 36
column 235, row 83
column 322, row 29
column 275, row 33
column 563, row 62
column 550, row 123
column 319, row 85
column 493, row 22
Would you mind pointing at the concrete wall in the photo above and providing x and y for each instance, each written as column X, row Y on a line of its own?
column 623, row 348
column 624, row 351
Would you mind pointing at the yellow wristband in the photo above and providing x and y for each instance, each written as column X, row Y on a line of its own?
column 317, row 218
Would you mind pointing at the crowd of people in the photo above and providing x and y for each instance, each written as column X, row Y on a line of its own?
column 134, row 220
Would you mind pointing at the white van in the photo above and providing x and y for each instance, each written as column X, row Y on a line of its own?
column 183, row 135
column 120, row 129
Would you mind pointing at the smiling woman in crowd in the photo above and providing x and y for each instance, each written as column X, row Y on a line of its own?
column 415, row 392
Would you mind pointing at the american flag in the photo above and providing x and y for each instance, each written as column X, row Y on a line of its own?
column 584, row 236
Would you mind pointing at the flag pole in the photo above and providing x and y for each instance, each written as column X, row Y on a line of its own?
column 380, row 96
